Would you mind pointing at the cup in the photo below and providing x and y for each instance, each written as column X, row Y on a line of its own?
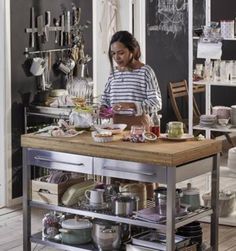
column 37, row 67
column 95, row 197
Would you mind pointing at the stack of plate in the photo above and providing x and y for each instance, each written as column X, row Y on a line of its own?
column 232, row 159
column 233, row 115
column 208, row 120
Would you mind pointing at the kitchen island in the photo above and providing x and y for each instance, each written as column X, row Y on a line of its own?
column 166, row 162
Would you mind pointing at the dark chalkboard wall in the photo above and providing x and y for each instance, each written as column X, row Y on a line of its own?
column 167, row 52
column 24, row 87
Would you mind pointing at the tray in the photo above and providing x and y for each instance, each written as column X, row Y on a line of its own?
column 157, row 240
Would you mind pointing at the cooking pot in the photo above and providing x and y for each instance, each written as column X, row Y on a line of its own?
column 123, row 204
column 160, row 196
column 76, row 231
column 137, row 189
column 106, row 235
column 191, row 196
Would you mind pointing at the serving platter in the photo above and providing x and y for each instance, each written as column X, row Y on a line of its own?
column 184, row 137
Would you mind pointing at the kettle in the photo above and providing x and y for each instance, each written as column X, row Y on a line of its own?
column 191, row 196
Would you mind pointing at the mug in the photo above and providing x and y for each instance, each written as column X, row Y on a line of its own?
column 94, row 196
column 37, row 67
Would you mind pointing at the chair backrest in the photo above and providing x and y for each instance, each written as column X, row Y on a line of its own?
column 178, row 90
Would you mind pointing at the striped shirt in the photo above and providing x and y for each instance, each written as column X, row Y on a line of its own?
column 138, row 86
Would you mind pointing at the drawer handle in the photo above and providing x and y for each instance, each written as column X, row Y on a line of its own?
column 62, row 162
column 123, row 171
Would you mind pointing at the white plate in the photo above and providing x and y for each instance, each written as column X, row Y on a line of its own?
column 185, row 136
column 113, row 128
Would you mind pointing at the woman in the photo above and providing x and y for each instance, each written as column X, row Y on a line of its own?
column 132, row 89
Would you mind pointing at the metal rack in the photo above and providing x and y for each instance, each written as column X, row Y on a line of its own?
column 135, row 171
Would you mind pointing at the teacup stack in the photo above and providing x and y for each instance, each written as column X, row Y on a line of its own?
column 208, row 120
column 232, row 159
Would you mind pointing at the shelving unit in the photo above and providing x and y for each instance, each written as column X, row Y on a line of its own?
column 231, row 220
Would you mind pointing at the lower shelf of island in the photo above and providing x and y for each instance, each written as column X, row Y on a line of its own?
column 160, row 226
column 37, row 238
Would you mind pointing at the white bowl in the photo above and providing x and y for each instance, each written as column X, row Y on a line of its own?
column 102, row 137
column 113, row 128
column 223, row 122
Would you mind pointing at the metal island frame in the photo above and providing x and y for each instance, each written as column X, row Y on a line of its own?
column 166, row 162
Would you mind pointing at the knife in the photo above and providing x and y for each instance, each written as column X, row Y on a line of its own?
column 62, row 30
column 40, row 27
column 32, row 26
column 47, row 25
column 67, row 28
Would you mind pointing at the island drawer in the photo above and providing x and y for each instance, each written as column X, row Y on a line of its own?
column 129, row 170
column 61, row 161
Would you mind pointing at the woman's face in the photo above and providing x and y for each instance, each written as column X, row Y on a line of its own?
column 121, row 55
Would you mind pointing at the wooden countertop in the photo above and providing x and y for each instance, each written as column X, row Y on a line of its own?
column 161, row 152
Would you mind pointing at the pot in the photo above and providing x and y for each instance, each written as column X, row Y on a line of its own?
column 106, row 235
column 124, row 204
column 191, row 196
column 137, row 189
column 76, row 231
column 160, row 195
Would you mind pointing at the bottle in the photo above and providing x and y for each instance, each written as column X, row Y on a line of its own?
column 155, row 123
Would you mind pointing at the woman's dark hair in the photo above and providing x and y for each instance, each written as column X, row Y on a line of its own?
column 129, row 41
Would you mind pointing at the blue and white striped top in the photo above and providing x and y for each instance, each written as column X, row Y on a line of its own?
column 138, row 86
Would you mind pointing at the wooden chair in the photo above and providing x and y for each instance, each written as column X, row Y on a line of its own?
column 179, row 90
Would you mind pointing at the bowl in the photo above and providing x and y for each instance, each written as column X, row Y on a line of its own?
column 113, row 128
column 102, row 137
column 223, row 122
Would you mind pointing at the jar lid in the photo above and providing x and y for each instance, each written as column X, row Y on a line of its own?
column 189, row 190
column 76, row 224
column 150, row 136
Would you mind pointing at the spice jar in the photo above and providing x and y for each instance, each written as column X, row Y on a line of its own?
column 136, row 134
column 175, row 129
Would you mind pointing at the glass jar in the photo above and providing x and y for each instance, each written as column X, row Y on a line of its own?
column 175, row 129
column 50, row 225
column 155, row 123
column 136, row 134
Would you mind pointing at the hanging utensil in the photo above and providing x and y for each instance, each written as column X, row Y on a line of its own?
column 32, row 26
